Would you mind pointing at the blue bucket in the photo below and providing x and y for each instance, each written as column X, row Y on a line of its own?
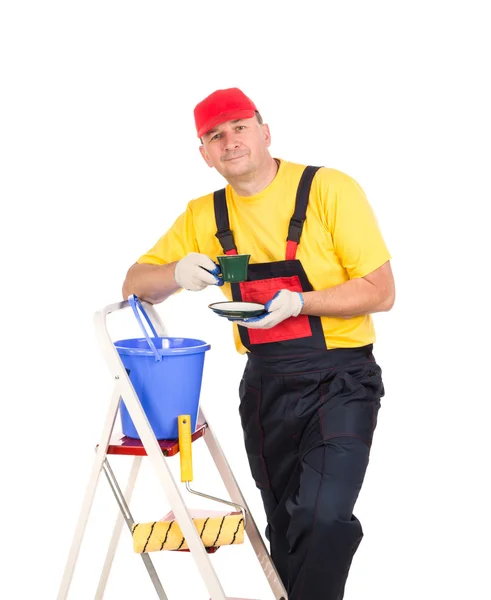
column 166, row 373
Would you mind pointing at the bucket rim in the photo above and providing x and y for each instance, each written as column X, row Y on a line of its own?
column 197, row 349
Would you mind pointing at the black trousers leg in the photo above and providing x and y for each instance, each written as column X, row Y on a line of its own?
column 278, row 516
column 324, row 534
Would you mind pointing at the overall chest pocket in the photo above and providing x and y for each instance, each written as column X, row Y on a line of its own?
column 263, row 290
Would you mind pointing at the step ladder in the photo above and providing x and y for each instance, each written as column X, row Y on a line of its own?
column 157, row 452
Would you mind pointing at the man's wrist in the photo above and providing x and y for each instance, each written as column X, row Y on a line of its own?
column 302, row 302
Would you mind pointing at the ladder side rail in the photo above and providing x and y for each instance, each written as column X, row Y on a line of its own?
column 126, row 516
column 236, row 496
column 118, row 526
column 89, row 495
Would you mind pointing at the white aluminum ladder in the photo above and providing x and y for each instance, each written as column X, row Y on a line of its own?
column 150, row 446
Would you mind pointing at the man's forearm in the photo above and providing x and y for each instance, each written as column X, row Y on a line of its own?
column 153, row 283
column 349, row 299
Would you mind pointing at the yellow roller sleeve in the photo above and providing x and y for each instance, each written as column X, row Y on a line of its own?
column 185, row 451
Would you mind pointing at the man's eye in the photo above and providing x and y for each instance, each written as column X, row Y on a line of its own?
column 240, row 127
column 215, row 137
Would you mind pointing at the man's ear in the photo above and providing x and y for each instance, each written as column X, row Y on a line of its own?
column 205, row 156
column 267, row 135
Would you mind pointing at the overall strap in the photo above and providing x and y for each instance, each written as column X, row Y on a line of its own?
column 224, row 234
column 298, row 219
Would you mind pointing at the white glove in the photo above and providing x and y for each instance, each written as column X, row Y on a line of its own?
column 196, row 271
column 283, row 304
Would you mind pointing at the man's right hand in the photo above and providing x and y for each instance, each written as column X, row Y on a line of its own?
column 196, row 271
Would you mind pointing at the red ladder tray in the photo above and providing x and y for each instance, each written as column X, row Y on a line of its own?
column 133, row 447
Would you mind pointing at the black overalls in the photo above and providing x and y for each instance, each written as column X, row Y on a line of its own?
column 308, row 415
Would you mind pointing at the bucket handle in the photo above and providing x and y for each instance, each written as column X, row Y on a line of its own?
column 137, row 305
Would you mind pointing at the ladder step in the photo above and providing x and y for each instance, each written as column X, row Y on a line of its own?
column 133, row 447
column 209, row 549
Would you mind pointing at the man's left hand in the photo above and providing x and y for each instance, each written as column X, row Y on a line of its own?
column 283, row 304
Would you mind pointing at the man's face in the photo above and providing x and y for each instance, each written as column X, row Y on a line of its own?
column 236, row 148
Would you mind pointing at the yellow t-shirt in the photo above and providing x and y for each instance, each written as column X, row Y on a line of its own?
column 340, row 240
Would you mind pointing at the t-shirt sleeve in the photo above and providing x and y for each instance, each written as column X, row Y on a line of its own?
column 355, row 231
column 179, row 240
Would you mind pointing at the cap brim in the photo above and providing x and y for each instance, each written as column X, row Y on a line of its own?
column 223, row 117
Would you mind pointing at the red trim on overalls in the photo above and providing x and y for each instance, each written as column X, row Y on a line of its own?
column 291, row 250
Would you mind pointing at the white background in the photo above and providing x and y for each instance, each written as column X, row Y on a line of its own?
column 99, row 156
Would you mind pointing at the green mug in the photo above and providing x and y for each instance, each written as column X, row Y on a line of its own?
column 234, row 267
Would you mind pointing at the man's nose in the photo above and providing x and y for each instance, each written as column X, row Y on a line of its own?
column 230, row 140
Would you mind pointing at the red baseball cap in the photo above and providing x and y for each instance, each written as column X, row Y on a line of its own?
column 221, row 106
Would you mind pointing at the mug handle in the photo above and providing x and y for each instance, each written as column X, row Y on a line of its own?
column 217, row 272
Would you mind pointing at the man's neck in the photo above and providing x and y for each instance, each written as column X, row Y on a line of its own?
column 253, row 183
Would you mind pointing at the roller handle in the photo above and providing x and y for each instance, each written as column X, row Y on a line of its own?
column 185, row 451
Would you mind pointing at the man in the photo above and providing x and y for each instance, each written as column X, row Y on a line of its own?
column 311, row 388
